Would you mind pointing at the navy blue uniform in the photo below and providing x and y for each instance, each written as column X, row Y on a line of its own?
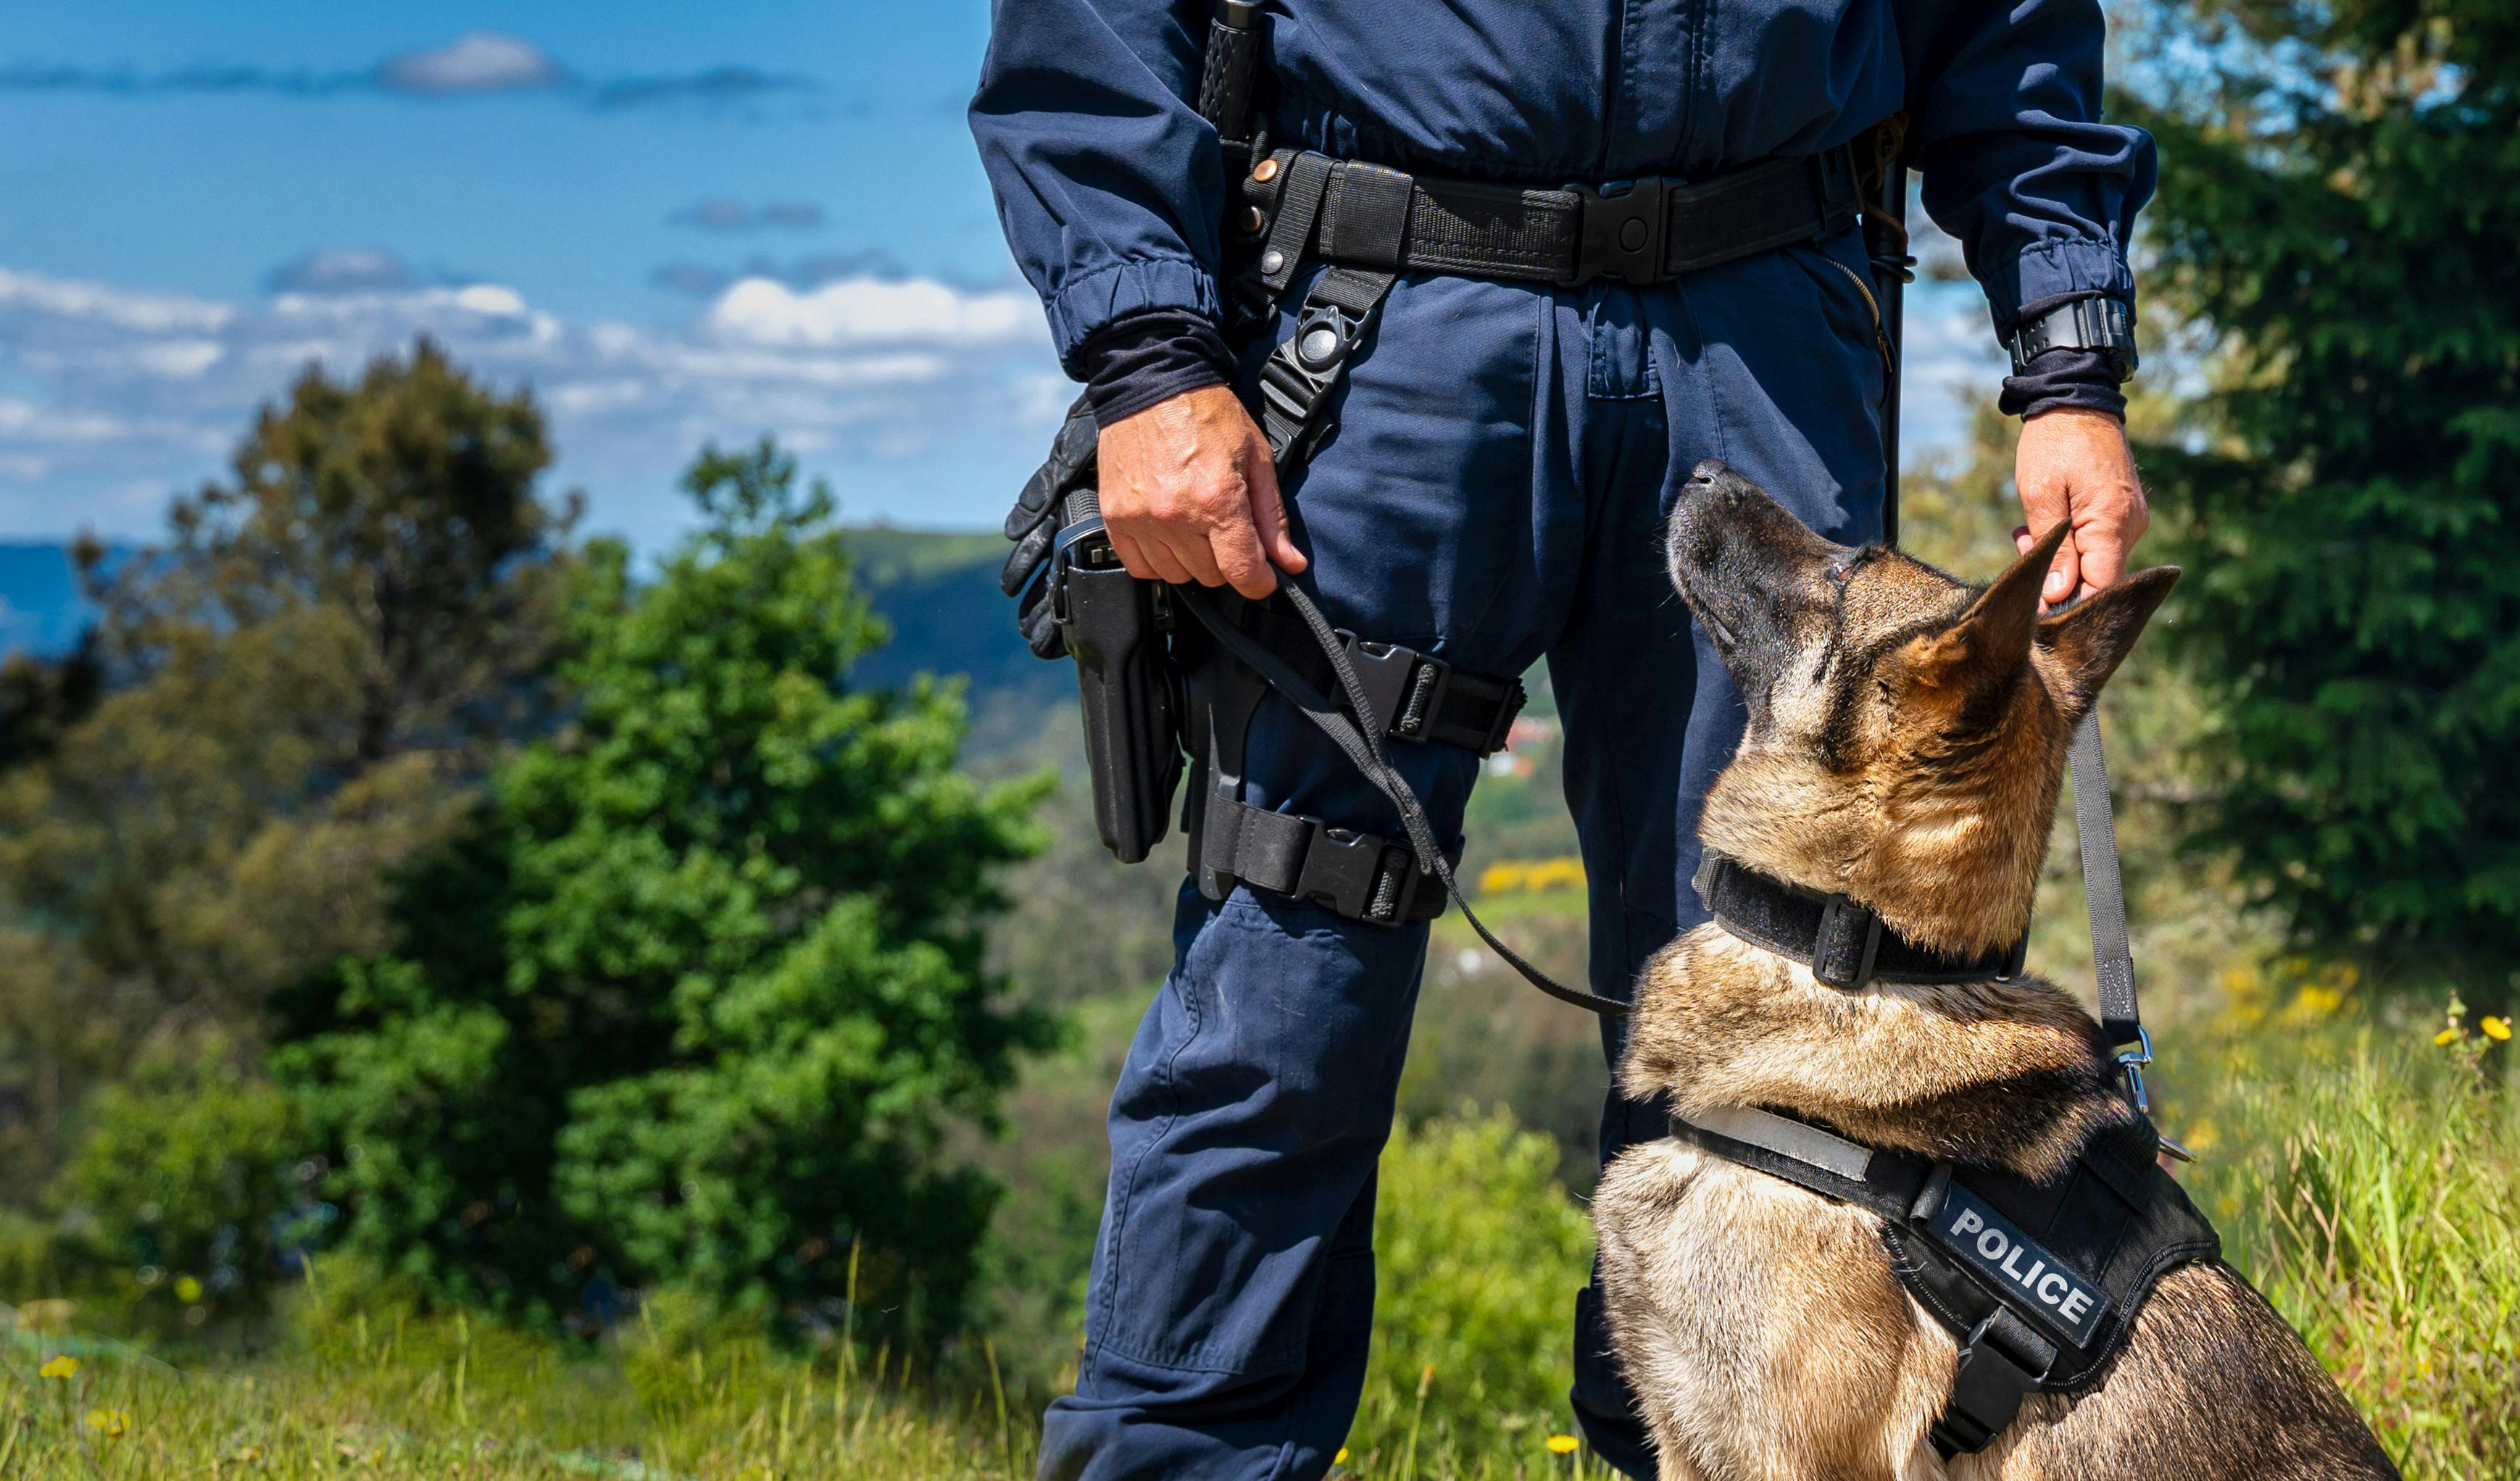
column 1493, row 493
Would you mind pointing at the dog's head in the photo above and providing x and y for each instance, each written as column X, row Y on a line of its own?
column 1907, row 731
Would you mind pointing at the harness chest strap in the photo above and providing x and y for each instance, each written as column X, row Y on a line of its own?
column 2041, row 1282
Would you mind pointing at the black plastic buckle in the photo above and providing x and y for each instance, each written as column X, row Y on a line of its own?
column 1988, row 1385
column 1841, row 919
column 1621, row 231
column 1299, row 373
column 1343, row 870
column 1388, row 673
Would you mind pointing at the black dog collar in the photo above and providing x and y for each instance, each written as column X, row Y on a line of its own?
column 1845, row 944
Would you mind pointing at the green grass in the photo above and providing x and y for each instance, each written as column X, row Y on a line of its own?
column 2364, row 1176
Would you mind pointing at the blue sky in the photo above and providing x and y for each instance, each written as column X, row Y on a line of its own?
column 675, row 221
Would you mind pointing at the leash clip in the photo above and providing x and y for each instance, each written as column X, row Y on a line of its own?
column 2131, row 1063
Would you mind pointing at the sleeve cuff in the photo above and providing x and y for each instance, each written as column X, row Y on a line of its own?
column 2062, row 378
column 2056, row 271
column 1084, row 306
column 1147, row 358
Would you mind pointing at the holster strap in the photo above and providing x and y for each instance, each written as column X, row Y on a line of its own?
column 1360, row 876
column 1417, row 697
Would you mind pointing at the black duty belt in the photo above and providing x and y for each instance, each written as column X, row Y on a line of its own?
column 1652, row 230
column 1370, row 224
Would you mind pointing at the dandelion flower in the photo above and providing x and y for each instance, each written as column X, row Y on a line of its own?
column 112, row 1423
column 1341, row 1458
column 60, row 1367
column 2447, row 1037
column 1563, row 1445
column 2495, row 1028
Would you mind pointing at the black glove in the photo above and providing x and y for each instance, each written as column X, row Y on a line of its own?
column 1033, row 525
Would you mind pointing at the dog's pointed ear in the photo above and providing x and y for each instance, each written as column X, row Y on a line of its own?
column 1989, row 643
column 2091, row 637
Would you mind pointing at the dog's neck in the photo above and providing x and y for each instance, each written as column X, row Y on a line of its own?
column 1951, row 868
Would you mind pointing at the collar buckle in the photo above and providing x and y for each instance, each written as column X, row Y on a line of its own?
column 1844, row 947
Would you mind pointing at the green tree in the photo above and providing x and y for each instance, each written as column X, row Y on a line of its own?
column 2339, row 208
column 692, row 1001
column 299, row 687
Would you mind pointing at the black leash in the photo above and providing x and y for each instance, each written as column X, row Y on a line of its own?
column 1362, row 744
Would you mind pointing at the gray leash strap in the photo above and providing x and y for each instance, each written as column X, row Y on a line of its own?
column 2112, row 958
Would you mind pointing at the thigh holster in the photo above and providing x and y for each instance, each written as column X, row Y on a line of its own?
column 1354, row 874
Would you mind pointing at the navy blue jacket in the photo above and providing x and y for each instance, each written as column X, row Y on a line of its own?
column 1110, row 183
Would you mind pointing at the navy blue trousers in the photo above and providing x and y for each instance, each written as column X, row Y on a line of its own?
column 1495, row 493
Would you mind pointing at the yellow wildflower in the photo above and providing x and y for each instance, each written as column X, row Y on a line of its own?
column 60, row 1367
column 2495, row 1028
column 187, row 1289
column 1341, row 1458
column 2446, row 1036
column 112, row 1423
column 1563, row 1445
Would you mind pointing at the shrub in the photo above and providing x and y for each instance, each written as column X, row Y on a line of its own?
column 1479, row 1254
column 188, row 1195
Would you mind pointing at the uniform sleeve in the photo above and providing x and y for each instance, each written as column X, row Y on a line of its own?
column 2005, row 112
column 1108, row 181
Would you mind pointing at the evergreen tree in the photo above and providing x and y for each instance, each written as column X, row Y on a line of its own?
column 693, row 1002
column 2341, row 208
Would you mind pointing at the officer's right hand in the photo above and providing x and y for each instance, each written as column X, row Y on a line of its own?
column 1189, row 494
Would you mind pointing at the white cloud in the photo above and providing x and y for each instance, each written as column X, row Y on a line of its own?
column 869, row 311
column 476, row 61
column 929, row 403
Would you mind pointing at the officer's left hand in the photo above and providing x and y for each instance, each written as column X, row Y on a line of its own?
column 2074, row 465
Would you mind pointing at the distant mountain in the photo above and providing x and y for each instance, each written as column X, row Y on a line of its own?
column 41, row 610
column 939, row 591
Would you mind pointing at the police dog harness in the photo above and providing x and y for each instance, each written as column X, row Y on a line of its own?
column 2039, row 1282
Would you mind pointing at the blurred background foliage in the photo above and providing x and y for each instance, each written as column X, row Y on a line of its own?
column 486, row 996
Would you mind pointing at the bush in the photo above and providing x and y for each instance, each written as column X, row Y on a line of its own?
column 188, row 1195
column 1479, row 1254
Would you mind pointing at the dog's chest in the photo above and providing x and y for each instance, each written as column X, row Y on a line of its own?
column 1753, row 1317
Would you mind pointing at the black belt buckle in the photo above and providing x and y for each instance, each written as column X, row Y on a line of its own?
column 1353, row 872
column 1621, row 231
column 1388, row 674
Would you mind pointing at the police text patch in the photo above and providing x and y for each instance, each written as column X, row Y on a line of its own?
column 2039, row 1285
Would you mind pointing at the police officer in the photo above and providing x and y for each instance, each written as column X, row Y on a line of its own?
column 1494, row 494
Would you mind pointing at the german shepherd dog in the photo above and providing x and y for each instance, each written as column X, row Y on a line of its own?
column 1906, row 735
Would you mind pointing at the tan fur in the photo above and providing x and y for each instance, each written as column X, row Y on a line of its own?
column 1760, row 1325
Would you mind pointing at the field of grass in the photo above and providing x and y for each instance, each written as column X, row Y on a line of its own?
column 2363, row 1175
